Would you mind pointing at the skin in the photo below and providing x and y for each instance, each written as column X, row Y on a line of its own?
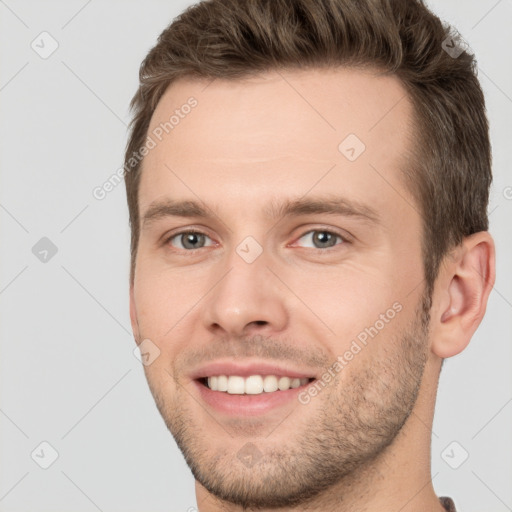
column 363, row 443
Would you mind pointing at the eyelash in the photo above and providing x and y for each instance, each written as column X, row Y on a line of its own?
column 343, row 238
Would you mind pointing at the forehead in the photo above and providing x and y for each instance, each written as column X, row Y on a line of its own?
column 281, row 131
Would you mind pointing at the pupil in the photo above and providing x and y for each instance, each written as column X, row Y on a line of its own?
column 323, row 237
column 191, row 239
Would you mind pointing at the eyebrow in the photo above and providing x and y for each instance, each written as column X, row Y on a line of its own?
column 330, row 205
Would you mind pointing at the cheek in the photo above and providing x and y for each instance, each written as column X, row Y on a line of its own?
column 168, row 303
column 347, row 299
column 161, row 299
column 364, row 309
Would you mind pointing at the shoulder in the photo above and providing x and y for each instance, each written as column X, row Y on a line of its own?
column 447, row 504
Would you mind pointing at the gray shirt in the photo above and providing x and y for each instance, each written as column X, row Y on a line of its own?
column 447, row 504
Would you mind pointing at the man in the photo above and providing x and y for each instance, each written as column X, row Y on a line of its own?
column 307, row 184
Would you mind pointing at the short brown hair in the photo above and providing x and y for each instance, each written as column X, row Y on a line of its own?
column 450, row 176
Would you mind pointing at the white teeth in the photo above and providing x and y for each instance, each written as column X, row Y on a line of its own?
column 270, row 383
column 212, row 383
column 284, row 383
column 222, row 383
column 253, row 385
column 236, row 385
column 295, row 383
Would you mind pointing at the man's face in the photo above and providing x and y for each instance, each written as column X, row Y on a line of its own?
column 255, row 291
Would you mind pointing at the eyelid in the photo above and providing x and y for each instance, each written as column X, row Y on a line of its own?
column 342, row 233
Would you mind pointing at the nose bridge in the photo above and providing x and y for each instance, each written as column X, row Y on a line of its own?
column 246, row 292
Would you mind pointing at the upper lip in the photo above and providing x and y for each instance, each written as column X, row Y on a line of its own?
column 245, row 369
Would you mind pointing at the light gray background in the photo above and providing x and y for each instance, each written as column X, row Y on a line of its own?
column 68, row 373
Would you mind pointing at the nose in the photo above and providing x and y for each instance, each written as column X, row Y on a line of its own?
column 245, row 298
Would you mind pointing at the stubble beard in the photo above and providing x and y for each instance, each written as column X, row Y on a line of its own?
column 359, row 419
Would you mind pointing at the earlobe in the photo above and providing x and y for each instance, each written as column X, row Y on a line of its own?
column 466, row 282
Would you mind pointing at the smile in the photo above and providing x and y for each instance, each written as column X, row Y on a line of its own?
column 254, row 384
column 254, row 395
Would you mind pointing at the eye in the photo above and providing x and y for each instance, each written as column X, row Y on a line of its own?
column 322, row 238
column 189, row 240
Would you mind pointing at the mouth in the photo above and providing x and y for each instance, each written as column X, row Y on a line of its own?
column 254, row 395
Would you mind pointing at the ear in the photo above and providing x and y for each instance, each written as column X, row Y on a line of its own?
column 133, row 316
column 465, row 280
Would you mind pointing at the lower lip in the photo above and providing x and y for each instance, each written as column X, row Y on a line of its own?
column 248, row 405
